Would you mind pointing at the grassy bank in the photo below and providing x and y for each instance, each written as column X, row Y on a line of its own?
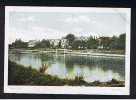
column 20, row 75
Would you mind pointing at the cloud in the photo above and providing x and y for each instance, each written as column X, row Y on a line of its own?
column 77, row 19
column 94, row 22
column 39, row 25
column 47, row 32
column 37, row 29
column 77, row 29
column 26, row 19
column 71, row 20
column 84, row 18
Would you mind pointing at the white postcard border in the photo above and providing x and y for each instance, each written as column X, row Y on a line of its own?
column 68, row 89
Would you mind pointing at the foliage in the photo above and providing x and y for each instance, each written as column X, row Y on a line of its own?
column 92, row 43
column 104, row 43
column 118, row 42
column 114, row 43
column 59, row 44
column 19, row 44
column 43, row 44
column 43, row 68
column 122, row 39
column 20, row 75
column 70, row 38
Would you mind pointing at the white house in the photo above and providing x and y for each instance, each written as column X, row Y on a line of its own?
column 63, row 43
column 55, row 42
column 32, row 43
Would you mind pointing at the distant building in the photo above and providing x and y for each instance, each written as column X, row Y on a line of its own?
column 82, row 38
column 102, row 41
column 63, row 43
column 55, row 42
column 100, row 45
column 32, row 43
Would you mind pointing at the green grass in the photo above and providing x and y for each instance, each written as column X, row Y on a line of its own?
column 20, row 75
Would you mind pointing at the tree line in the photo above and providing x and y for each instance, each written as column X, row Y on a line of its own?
column 72, row 42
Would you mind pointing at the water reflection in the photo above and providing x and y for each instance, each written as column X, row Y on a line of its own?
column 69, row 66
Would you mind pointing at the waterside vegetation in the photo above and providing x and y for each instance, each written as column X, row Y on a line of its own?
column 21, row 75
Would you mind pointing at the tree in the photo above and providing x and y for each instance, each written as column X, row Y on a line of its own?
column 114, row 43
column 92, row 43
column 70, row 38
column 43, row 44
column 122, row 39
column 19, row 44
column 76, row 44
column 59, row 44
column 83, row 44
column 105, row 42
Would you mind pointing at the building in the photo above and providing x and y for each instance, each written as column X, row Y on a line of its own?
column 55, row 42
column 32, row 43
column 83, row 38
column 103, row 42
column 63, row 43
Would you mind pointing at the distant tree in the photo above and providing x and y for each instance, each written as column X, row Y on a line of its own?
column 105, row 41
column 122, row 39
column 70, row 38
column 37, row 45
column 114, row 43
column 43, row 44
column 19, row 44
column 59, row 44
column 92, row 43
column 83, row 44
column 10, row 46
column 52, row 45
column 76, row 44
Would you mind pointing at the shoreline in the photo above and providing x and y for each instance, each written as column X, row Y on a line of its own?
column 71, row 52
column 21, row 75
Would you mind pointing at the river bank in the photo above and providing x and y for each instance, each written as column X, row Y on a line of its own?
column 21, row 75
column 74, row 52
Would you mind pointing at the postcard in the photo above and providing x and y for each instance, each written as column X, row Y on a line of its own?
column 67, row 50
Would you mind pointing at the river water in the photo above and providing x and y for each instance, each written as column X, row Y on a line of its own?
column 91, row 68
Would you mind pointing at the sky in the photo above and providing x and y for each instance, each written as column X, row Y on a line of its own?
column 55, row 25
